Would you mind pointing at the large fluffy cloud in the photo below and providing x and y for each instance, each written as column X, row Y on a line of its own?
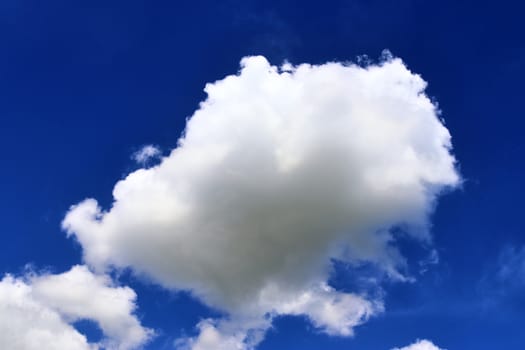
column 279, row 171
column 38, row 310
column 420, row 345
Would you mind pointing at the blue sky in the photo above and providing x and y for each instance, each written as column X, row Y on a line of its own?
column 86, row 85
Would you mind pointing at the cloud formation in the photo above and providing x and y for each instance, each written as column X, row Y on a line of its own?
column 40, row 309
column 279, row 171
column 146, row 153
column 420, row 345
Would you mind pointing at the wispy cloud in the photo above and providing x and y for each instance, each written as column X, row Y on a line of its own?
column 420, row 345
column 503, row 280
column 146, row 153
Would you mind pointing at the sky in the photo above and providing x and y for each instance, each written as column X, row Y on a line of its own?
column 261, row 175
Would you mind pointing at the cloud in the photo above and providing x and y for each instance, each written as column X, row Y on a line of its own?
column 332, row 312
column 420, row 345
column 502, row 284
column 278, row 172
column 210, row 338
column 40, row 309
column 510, row 270
column 146, row 153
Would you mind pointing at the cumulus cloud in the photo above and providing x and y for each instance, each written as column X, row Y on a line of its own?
column 40, row 309
column 420, row 345
column 146, row 153
column 279, row 171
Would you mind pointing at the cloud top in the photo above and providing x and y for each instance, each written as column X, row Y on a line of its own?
column 279, row 171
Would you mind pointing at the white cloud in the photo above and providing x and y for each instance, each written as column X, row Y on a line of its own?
column 39, row 309
column 146, row 153
column 333, row 312
column 211, row 338
column 278, row 172
column 420, row 345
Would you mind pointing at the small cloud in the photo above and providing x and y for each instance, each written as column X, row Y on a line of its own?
column 511, row 269
column 420, row 345
column 278, row 173
column 211, row 338
column 503, row 281
column 146, row 153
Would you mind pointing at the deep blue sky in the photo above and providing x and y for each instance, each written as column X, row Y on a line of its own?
column 84, row 84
